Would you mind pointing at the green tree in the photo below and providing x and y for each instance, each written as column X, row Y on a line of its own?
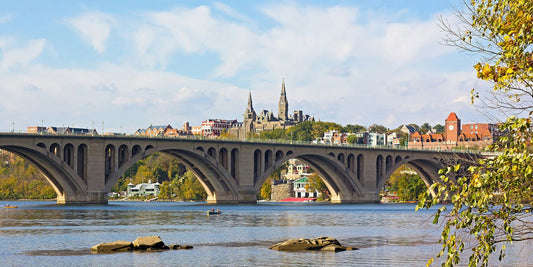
column 376, row 128
column 349, row 128
column 492, row 202
column 425, row 128
column 439, row 128
column 351, row 139
column 317, row 184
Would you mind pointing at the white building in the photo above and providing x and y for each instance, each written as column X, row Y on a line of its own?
column 143, row 189
column 300, row 189
column 377, row 139
column 296, row 169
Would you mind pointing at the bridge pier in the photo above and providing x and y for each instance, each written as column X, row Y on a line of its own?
column 88, row 198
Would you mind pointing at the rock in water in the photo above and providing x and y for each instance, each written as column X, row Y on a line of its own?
column 320, row 243
column 145, row 242
column 117, row 246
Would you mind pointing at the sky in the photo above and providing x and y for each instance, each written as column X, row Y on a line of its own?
column 124, row 65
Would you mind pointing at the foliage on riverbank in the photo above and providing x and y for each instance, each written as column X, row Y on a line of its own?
column 176, row 182
column 406, row 183
column 20, row 180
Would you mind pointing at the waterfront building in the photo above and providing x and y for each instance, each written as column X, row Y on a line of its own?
column 472, row 135
column 143, row 189
column 266, row 120
column 301, row 189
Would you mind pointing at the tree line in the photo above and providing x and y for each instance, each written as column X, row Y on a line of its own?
column 20, row 180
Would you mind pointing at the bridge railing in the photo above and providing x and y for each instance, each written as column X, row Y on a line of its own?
column 257, row 140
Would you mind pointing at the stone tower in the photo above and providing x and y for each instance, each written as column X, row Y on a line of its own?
column 283, row 104
column 249, row 115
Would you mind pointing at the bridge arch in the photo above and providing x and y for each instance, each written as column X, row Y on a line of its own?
column 333, row 172
column 62, row 177
column 427, row 169
column 218, row 182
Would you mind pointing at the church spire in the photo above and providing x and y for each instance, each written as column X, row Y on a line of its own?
column 249, row 113
column 250, row 100
column 283, row 103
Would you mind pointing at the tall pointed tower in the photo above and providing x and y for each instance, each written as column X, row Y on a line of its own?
column 283, row 112
column 249, row 115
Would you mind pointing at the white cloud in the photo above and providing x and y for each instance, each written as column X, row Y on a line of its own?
column 231, row 12
column 93, row 27
column 6, row 18
column 342, row 65
column 20, row 56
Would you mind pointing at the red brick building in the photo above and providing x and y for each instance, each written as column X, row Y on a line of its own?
column 473, row 135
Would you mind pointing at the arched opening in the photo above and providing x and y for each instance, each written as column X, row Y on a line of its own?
column 42, row 187
column 340, row 157
column 289, row 152
column 82, row 162
column 148, row 147
column 109, row 156
column 408, row 181
column 337, row 181
column 257, row 164
column 388, row 163
column 212, row 152
column 64, row 181
column 235, row 164
column 123, row 155
column 360, row 164
column 200, row 148
column 41, row 145
column 268, row 159
column 55, row 149
column 331, row 154
column 398, row 160
column 135, row 150
column 351, row 162
column 379, row 170
column 279, row 155
column 68, row 155
column 213, row 180
column 223, row 158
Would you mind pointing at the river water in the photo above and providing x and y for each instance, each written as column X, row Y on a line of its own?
column 46, row 234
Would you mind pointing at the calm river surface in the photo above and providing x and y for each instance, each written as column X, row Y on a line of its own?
column 45, row 234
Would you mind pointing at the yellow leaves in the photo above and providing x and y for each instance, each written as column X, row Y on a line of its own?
column 476, row 182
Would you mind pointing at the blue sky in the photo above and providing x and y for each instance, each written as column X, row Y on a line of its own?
column 130, row 64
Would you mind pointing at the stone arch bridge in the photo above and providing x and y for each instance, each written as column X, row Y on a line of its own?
column 83, row 169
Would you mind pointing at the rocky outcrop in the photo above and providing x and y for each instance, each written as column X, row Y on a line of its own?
column 323, row 243
column 148, row 242
column 109, row 247
column 144, row 243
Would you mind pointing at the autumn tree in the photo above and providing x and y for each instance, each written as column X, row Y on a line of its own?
column 266, row 189
column 317, row 184
column 492, row 203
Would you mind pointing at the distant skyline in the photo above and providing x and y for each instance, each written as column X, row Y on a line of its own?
column 130, row 64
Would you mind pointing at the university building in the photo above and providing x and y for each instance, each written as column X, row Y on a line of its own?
column 473, row 135
column 266, row 120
